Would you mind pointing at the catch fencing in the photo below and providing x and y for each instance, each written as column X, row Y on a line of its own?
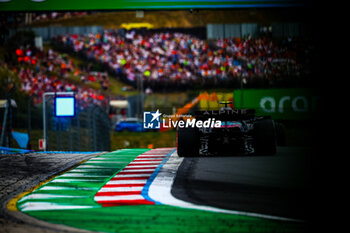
column 88, row 130
column 46, row 33
column 275, row 30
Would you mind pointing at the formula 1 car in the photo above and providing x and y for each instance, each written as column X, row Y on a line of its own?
column 241, row 132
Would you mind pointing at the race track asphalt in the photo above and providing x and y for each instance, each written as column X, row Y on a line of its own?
column 270, row 185
column 276, row 185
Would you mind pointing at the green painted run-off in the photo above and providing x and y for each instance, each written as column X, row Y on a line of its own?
column 140, row 218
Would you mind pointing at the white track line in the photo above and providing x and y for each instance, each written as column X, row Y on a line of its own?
column 88, row 170
column 160, row 191
column 97, row 167
column 48, row 196
column 68, row 174
column 73, row 180
column 31, row 206
column 65, row 188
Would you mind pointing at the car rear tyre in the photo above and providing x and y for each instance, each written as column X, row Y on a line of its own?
column 264, row 137
column 187, row 142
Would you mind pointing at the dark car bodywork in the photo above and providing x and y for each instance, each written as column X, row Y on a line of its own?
column 241, row 132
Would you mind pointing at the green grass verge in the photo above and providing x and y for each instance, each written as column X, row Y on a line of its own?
column 142, row 140
column 161, row 218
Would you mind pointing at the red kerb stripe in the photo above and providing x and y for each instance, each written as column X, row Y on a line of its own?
column 125, row 202
column 134, row 173
column 117, row 193
column 138, row 168
column 150, row 157
column 143, row 164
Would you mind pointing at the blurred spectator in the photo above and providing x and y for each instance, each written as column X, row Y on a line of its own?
column 40, row 71
column 176, row 58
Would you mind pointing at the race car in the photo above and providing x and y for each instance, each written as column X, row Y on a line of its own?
column 240, row 132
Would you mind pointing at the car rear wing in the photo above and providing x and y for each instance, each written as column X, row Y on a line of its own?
column 226, row 114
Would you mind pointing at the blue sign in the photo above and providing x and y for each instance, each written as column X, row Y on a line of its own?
column 65, row 106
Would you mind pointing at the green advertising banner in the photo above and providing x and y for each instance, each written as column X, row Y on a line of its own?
column 56, row 5
column 282, row 104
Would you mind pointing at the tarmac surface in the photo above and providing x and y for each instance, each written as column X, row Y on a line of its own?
column 19, row 173
column 276, row 185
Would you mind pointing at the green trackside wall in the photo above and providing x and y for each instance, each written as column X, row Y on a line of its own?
column 280, row 104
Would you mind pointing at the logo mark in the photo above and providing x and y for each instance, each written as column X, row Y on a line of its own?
column 151, row 120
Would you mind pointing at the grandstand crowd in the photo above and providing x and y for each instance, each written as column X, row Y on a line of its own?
column 50, row 71
column 176, row 59
column 164, row 60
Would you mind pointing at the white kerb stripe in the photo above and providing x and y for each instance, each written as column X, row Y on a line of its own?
column 121, row 189
column 135, row 175
column 150, row 159
column 119, row 198
column 138, row 170
column 127, row 182
column 151, row 162
column 66, row 188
